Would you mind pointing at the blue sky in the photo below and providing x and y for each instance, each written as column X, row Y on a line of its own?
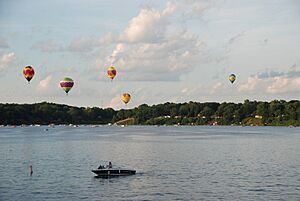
column 164, row 51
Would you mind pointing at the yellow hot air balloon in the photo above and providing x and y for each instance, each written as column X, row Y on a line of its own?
column 111, row 72
column 232, row 78
column 126, row 98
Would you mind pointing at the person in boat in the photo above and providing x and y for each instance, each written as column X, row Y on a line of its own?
column 101, row 167
column 109, row 165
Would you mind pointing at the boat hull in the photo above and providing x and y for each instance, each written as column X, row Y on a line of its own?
column 113, row 172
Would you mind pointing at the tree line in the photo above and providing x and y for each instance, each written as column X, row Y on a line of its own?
column 275, row 113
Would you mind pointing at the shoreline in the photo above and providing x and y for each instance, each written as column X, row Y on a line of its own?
column 140, row 125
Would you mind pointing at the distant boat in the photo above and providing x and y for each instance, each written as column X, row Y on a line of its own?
column 112, row 172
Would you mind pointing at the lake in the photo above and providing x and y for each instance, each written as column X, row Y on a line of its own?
column 172, row 163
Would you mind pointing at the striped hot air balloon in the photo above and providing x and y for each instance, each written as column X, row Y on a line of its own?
column 111, row 72
column 126, row 98
column 28, row 73
column 67, row 84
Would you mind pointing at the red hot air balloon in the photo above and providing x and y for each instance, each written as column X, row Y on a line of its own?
column 28, row 73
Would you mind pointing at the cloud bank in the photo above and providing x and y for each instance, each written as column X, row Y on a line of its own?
column 6, row 60
column 43, row 85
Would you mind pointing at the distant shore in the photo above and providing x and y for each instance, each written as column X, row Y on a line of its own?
column 249, row 113
column 123, row 125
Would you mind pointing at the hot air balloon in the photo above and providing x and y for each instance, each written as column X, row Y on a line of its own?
column 111, row 72
column 28, row 73
column 232, row 78
column 126, row 98
column 67, row 84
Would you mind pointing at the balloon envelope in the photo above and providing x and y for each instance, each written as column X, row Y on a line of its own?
column 126, row 98
column 232, row 78
column 111, row 72
column 67, row 84
column 28, row 73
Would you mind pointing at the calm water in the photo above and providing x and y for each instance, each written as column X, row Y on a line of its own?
column 172, row 163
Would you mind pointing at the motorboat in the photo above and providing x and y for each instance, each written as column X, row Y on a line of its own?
column 113, row 172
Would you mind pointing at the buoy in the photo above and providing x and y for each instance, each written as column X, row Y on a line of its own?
column 31, row 170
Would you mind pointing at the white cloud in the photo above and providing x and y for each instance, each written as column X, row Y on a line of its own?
column 48, row 46
column 79, row 44
column 149, row 26
column 184, row 90
column 198, row 7
column 146, row 51
column 195, row 8
column 284, row 85
column 190, row 91
column 292, row 72
column 271, row 85
column 166, row 60
column 43, row 85
column 250, row 85
column 116, row 102
column 82, row 44
column 6, row 60
column 3, row 43
column 116, row 53
column 216, row 88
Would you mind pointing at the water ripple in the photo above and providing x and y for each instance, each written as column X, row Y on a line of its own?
column 172, row 163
